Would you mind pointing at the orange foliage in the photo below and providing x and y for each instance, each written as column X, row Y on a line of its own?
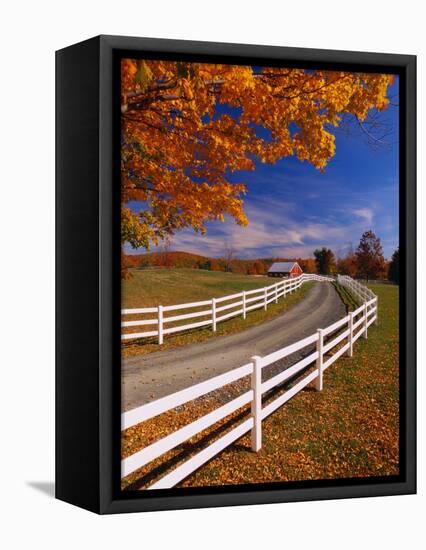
column 128, row 261
column 214, row 265
column 348, row 265
column 308, row 265
column 177, row 153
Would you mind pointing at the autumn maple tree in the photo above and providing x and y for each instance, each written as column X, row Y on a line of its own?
column 187, row 126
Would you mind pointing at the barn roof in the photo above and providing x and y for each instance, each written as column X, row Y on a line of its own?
column 282, row 267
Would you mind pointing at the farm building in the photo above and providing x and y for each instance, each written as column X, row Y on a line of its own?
column 285, row 269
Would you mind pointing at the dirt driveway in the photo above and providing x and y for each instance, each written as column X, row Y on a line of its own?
column 154, row 375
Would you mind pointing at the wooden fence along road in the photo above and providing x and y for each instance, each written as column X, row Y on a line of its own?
column 341, row 335
column 242, row 303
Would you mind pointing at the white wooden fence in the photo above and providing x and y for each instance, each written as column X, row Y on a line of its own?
column 359, row 291
column 330, row 343
column 211, row 312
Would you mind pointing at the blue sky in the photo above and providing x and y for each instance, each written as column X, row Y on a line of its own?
column 293, row 208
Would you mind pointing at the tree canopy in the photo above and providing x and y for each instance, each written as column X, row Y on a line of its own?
column 370, row 261
column 347, row 265
column 325, row 261
column 178, row 148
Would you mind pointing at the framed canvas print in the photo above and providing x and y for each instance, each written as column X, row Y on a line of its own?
column 235, row 274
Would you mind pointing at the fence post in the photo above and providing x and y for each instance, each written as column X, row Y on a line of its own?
column 160, row 325
column 265, row 305
column 244, row 305
column 351, row 334
column 365, row 320
column 256, row 404
column 376, row 322
column 320, row 344
column 214, row 314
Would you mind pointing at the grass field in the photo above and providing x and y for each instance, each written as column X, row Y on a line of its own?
column 147, row 288
column 151, row 287
column 350, row 429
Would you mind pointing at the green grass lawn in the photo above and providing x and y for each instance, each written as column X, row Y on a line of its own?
column 147, row 288
column 153, row 287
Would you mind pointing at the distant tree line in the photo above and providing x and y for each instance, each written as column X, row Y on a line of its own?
column 366, row 262
column 168, row 259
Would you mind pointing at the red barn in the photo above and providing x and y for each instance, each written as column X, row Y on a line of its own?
column 285, row 269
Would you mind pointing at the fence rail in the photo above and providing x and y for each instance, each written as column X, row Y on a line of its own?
column 359, row 291
column 338, row 338
column 214, row 310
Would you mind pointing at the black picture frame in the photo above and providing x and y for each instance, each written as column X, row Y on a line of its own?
column 88, row 276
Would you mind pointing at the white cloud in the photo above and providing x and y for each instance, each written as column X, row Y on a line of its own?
column 277, row 228
column 272, row 231
column 365, row 214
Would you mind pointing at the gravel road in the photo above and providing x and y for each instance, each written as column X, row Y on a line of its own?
column 154, row 375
